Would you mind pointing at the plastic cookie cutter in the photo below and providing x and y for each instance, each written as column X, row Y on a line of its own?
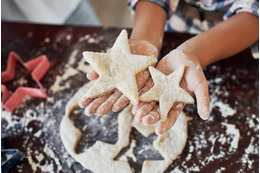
column 37, row 66
column 13, row 156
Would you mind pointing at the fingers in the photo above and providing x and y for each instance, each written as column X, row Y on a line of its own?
column 116, row 102
column 108, row 104
column 137, row 107
column 92, row 107
column 84, row 101
column 171, row 119
column 152, row 117
column 92, row 75
column 147, row 86
column 142, row 78
column 120, row 103
column 144, row 110
column 202, row 96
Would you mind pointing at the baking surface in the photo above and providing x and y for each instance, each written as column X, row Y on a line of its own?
column 227, row 142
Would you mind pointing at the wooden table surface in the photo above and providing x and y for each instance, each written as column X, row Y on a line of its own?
column 227, row 142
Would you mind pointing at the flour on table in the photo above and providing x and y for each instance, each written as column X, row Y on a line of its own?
column 70, row 71
column 40, row 159
column 94, row 38
column 234, row 132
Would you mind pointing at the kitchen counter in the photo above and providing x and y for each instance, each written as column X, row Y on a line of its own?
column 227, row 142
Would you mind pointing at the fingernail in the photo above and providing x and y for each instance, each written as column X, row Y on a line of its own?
column 158, row 132
column 84, row 102
column 100, row 112
column 81, row 102
column 134, row 110
column 204, row 113
column 149, row 119
column 163, row 129
column 138, row 119
column 88, row 113
column 139, row 115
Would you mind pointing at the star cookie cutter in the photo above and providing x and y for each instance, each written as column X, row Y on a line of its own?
column 37, row 66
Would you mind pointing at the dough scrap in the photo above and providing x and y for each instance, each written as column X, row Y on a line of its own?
column 99, row 157
column 166, row 90
column 91, row 158
column 170, row 145
column 117, row 69
column 145, row 130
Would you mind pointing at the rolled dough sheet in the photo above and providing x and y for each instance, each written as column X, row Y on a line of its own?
column 100, row 157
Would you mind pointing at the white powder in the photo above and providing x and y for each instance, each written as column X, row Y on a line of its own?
column 86, row 37
column 129, row 152
column 144, row 148
column 220, row 170
column 83, row 67
column 46, row 160
column 38, row 134
column 44, row 116
column 72, row 57
column 251, row 148
column 8, row 117
column 49, row 151
column 234, row 133
column 68, row 73
column 21, row 81
column 92, row 39
column 176, row 170
column 225, row 109
column 218, row 80
column 68, row 37
column 39, row 157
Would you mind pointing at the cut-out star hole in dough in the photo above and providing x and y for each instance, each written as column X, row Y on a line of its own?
column 166, row 90
column 117, row 69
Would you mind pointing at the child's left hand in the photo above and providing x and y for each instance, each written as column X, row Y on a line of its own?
column 193, row 81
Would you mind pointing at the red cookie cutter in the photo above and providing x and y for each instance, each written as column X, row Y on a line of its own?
column 38, row 67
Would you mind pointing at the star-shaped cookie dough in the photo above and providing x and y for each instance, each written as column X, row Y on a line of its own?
column 166, row 90
column 117, row 69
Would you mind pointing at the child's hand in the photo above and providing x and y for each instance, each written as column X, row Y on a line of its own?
column 193, row 81
column 116, row 100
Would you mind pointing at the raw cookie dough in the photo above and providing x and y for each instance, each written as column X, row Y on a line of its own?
column 166, row 90
column 170, row 145
column 99, row 157
column 117, row 69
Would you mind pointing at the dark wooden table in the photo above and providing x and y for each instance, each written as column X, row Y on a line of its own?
column 227, row 142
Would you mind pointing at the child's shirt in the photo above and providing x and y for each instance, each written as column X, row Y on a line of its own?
column 200, row 19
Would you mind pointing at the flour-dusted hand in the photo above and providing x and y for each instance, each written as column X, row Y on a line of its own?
column 116, row 101
column 193, row 81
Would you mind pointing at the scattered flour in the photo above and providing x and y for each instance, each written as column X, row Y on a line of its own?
column 234, row 133
column 225, row 109
column 94, row 39
column 129, row 153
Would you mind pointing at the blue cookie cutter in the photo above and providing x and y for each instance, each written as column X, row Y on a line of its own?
column 15, row 156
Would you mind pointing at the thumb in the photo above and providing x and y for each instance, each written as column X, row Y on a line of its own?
column 202, row 96
column 92, row 75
